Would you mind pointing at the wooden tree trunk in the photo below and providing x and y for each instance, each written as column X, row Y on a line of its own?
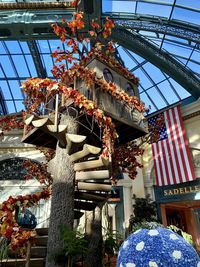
column 94, row 234
column 62, row 205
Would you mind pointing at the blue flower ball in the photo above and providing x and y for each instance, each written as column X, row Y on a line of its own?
column 159, row 247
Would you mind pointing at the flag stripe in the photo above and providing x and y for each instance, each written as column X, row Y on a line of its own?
column 181, row 143
column 160, row 176
column 169, row 167
column 155, row 163
column 176, row 147
column 192, row 175
column 162, row 163
column 172, row 158
column 167, row 181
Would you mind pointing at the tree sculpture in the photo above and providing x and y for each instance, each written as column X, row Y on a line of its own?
column 83, row 43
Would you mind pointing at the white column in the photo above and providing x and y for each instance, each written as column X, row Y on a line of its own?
column 128, row 207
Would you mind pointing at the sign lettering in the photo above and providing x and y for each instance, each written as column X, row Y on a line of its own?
column 182, row 190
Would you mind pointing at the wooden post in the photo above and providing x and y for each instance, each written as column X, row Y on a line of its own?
column 62, row 100
column 28, row 254
column 56, row 112
column 163, row 214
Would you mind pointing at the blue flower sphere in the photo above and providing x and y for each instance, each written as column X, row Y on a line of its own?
column 159, row 247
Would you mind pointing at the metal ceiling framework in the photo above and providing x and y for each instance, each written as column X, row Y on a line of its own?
column 158, row 25
column 159, row 58
column 41, row 72
column 31, row 23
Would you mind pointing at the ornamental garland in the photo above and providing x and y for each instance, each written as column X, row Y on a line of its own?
column 10, row 122
column 90, row 78
column 9, row 227
column 112, row 62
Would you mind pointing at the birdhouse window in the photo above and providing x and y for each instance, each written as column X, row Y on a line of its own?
column 129, row 89
column 107, row 75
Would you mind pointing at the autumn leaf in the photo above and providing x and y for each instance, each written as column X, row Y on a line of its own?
column 92, row 33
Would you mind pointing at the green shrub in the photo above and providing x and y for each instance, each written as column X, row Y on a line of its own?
column 3, row 248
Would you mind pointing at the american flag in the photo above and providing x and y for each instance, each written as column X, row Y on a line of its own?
column 171, row 154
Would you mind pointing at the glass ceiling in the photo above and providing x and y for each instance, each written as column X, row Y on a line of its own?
column 20, row 60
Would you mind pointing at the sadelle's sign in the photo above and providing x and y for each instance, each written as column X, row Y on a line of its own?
column 182, row 190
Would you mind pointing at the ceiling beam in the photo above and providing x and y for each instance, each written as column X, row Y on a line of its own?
column 161, row 25
column 41, row 71
column 159, row 58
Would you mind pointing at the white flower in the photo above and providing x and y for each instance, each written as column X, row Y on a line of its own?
column 198, row 264
column 153, row 232
column 137, row 231
column 176, row 254
column 130, row 265
column 140, row 246
column 126, row 243
column 173, row 236
column 153, row 264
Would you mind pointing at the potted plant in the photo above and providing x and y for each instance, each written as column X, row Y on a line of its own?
column 75, row 246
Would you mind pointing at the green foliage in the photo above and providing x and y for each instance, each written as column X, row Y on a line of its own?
column 112, row 242
column 74, row 242
column 144, row 211
column 185, row 235
column 3, row 248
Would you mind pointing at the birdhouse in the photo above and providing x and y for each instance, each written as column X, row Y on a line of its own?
column 126, row 118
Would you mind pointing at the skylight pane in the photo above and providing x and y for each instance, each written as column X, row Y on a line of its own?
column 168, row 92
column 48, row 64
column 176, row 39
column 123, row 6
column 177, row 49
column 31, row 66
column 144, row 81
column 1, row 74
column 140, row 89
column 155, row 74
column 21, row 66
column 43, row 46
column 193, row 66
column 181, row 60
column 16, row 90
column 10, row 106
column 179, row 89
column 25, row 47
column 13, row 47
column 186, row 15
column 196, row 55
column 19, row 105
column 2, row 49
column 153, row 9
column 129, row 63
column 147, row 102
column 55, row 44
column 157, row 98
column 5, row 90
column 137, row 57
column 7, row 67
column 189, row 3
column 107, row 5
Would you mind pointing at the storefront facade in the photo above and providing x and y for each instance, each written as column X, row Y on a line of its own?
column 179, row 205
